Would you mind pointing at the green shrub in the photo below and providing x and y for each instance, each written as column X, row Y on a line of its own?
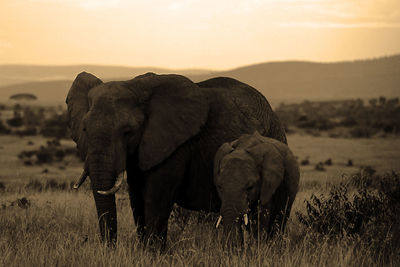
column 15, row 122
column 28, row 131
column 362, row 132
column 34, row 185
column 44, row 155
column 55, row 127
column 59, row 154
column 370, row 213
column 3, row 128
column 53, row 184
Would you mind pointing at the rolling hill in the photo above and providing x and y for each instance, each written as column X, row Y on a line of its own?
column 279, row 81
column 323, row 81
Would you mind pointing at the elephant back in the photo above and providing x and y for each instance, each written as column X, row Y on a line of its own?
column 251, row 104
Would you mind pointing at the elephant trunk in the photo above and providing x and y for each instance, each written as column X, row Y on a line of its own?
column 105, row 204
column 107, row 216
column 232, row 220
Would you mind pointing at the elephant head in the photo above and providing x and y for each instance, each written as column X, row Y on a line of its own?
column 146, row 118
column 247, row 173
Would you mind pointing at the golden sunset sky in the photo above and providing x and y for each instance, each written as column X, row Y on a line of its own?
column 196, row 33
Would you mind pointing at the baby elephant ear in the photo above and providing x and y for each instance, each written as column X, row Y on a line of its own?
column 272, row 169
column 223, row 150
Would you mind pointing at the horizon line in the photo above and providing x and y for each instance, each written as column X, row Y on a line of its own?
column 200, row 68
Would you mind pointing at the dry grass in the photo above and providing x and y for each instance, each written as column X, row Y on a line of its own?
column 59, row 228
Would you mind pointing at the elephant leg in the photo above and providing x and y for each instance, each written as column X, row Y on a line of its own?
column 137, row 205
column 135, row 187
column 156, row 222
column 160, row 195
column 264, row 221
column 280, row 210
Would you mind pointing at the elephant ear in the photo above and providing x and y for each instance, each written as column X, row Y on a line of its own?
column 177, row 109
column 78, row 106
column 223, row 150
column 272, row 169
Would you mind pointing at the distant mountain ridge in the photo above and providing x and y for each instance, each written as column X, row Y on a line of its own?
column 15, row 74
column 283, row 81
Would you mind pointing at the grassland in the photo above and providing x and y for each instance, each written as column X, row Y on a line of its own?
column 59, row 227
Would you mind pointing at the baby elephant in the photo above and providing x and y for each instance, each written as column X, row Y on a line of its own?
column 257, row 180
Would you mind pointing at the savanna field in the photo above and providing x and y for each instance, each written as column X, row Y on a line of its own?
column 345, row 213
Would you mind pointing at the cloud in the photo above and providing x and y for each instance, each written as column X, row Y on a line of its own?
column 286, row 13
column 304, row 24
column 87, row 4
column 341, row 13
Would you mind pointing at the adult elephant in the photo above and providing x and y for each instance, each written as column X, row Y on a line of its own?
column 164, row 130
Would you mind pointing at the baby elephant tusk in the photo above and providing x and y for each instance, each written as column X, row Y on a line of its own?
column 81, row 180
column 245, row 219
column 219, row 221
column 116, row 187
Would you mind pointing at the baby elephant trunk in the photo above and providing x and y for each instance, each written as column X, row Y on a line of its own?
column 234, row 222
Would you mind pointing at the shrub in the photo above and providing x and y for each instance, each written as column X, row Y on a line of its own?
column 60, row 154
column 362, row 131
column 15, row 122
column 34, row 185
column 26, row 154
column 3, row 128
column 348, row 121
column 304, row 162
column 23, row 203
column 52, row 184
column 2, row 187
column 47, row 154
column 371, row 213
column 319, row 167
column 55, row 127
column 28, row 131
column 44, row 156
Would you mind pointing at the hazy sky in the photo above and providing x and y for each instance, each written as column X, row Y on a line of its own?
column 216, row 34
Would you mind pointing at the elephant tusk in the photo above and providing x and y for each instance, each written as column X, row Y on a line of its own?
column 116, row 187
column 245, row 219
column 81, row 180
column 218, row 221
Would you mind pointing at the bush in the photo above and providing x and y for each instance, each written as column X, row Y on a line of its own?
column 60, row 154
column 348, row 122
column 3, row 128
column 26, row 154
column 15, row 122
column 44, row 156
column 28, row 131
column 53, row 151
column 380, row 115
column 362, row 132
column 55, row 127
column 370, row 213
column 2, row 187
column 34, row 185
column 52, row 184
